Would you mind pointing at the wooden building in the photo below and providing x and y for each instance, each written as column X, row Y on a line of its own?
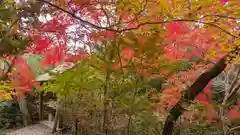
column 49, row 100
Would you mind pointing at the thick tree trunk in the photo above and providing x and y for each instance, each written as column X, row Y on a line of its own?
column 191, row 93
column 24, row 110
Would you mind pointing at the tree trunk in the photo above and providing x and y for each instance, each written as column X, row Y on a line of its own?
column 24, row 110
column 191, row 93
column 55, row 121
column 75, row 127
column 58, row 120
column 106, row 105
column 40, row 106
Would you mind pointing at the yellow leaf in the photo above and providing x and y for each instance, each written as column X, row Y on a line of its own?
column 237, row 41
column 62, row 3
column 164, row 5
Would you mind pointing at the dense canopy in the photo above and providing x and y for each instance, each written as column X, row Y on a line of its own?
column 165, row 58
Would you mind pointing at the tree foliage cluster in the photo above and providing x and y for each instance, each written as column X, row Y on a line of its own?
column 141, row 66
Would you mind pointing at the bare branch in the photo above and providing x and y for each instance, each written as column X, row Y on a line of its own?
column 235, row 128
column 228, row 91
column 106, row 15
column 234, row 91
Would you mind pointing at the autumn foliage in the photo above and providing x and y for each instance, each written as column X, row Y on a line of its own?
column 144, row 38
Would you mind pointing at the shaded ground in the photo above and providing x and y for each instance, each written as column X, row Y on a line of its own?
column 43, row 128
column 3, row 132
column 37, row 129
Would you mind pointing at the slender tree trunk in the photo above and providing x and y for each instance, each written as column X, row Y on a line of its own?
column 75, row 127
column 40, row 106
column 24, row 110
column 55, row 122
column 191, row 93
column 130, row 114
column 106, row 104
column 178, row 130
column 56, row 119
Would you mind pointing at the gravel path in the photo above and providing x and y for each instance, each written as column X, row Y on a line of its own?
column 37, row 129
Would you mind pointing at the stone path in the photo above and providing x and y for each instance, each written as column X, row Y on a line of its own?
column 36, row 129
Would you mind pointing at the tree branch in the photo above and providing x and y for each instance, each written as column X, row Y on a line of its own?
column 139, row 25
column 226, row 97
column 235, row 128
column 135, row 15
column 106, row 15
column 221, row 16
column 181, row 20
column 195, row 89
column 75, row 16
column 191, row 93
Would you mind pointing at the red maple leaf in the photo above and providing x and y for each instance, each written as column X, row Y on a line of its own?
column 196, row 42
column 127, row 54
column 23, row 79
column 77, row 57
column 234, row 113
column 57, row 24
column 175, row 29
column 115, row 66
column 54, row 55
column 109, row 34
column 41, row 44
